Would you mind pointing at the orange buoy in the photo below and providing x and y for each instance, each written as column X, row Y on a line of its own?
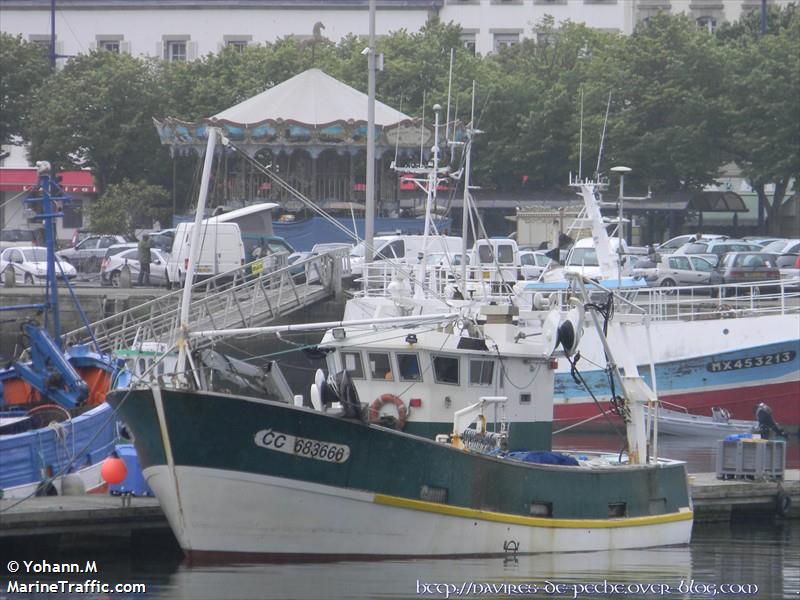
column 114, row 470
column 402, row 411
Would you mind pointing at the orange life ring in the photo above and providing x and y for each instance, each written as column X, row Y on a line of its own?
column 402, row 411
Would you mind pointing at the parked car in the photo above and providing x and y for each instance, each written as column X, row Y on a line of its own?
column 746, row 267
column 112, row 267
column 163, row 240
column 78, row 236
column 113, row 251
column 759, row 239
column 30, row 264
column 789, row 266
column 88, row 255
column 533, row 264
column 783, row 247
column 671, row 245
column 17, row 237
column 720, row 247
column 679, row 270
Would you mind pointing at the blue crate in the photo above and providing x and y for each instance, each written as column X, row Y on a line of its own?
column 134, row 483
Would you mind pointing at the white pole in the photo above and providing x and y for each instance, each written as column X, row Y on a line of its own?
column 433, row 181
column 415, row 319
column 194, row 254
column 466, row 207
column 369, row 216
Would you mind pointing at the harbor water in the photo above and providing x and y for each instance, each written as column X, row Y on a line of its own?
column 758, row 558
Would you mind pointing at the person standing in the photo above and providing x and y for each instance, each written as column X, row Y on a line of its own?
column 145, row 258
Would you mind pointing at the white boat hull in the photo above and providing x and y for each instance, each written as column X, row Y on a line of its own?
column 225, row 513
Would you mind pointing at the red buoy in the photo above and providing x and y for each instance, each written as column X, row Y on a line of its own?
column 114, row 470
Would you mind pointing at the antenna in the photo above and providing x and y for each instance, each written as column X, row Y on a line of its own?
column 449, row 88
column 422, row 129
column 580, row 143
column 602, row 138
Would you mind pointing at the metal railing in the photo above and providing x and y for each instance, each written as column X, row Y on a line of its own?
column 698, row 302
column 251, row 295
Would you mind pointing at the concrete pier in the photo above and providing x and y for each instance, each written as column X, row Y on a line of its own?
column 81, row 518
column 718, row 500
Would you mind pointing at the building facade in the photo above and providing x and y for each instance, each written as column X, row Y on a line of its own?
column 184, row 30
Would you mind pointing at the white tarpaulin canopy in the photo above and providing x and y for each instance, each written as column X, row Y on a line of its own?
column 313, row 98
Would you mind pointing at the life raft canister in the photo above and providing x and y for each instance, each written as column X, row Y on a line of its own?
column 377, row 404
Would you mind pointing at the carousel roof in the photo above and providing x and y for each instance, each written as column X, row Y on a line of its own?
column 313, row 98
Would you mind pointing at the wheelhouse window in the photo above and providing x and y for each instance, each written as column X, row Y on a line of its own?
column 408, row 366
column 481, row 372
column 380, row 366
column 445, row 369
column 351, row 362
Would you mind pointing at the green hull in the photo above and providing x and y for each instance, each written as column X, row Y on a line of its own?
column 229, row 433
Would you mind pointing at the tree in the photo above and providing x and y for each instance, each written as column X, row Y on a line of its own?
column 126, row 205
column 24, row 67
column 668, row 110
column 97, row 112
column 763, row 91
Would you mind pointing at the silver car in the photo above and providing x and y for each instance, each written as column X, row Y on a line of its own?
column 681, row 270
column 112, row 267
column 88, row 254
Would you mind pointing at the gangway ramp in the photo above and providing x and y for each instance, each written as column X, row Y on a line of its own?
column 250, row 296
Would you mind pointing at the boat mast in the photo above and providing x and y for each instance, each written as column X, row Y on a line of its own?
column 433, row 181
column 194, row 254
column 471, row 131
column 369, row 216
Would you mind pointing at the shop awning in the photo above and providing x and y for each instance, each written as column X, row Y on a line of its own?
column 20, row 180
column 683, row 201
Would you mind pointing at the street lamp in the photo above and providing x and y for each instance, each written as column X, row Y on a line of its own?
column 620, row 236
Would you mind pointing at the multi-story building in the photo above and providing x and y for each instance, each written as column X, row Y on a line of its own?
column 187, row 29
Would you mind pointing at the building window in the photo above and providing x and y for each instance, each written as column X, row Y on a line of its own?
column 546, row 38
column 237, row 42
column 237, row 45
column 468, row 39
column 708, row 23
column 109, row 46
column 505, row 40
column 73, row 214
column 175, row 50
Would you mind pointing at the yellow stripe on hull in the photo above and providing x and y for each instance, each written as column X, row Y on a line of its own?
column 684, row 514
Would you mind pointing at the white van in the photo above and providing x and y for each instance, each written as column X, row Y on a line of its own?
column 582, row 258
column 405, row 249
column 495, row 260
column 222, row 250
